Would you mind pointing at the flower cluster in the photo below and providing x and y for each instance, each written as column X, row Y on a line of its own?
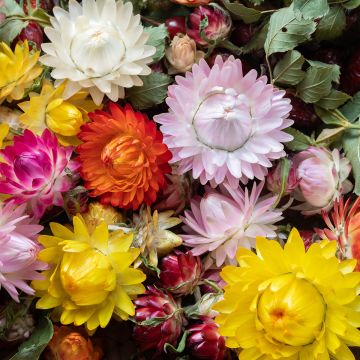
column 179, row 179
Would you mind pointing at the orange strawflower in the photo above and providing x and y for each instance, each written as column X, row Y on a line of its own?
column 123, row 157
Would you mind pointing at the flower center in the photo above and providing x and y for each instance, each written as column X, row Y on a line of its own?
column 98, row 50
column 291, row 311
column 223, row 120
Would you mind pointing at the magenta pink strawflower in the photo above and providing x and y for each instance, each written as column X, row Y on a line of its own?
column 221, row 222
column 36, row 171
column 18, row 250
column 223, row 125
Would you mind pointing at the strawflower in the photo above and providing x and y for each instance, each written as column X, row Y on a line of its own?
column 18, row 250
column 99, row 45
column 123, row 157
column 90, row 277
column 50, row 110
column 18, row 70
column 35, row 171
column 343, row 226
column 221, row 222
column 285, row 303
column 223, row 125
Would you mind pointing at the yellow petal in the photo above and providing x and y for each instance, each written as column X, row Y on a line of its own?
column 130, row 277
column 61, row 231
column 123, row 301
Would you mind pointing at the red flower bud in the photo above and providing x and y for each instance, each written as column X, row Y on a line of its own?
column 159, row 320
column 180, row 273
column 32, row 33
column 273, row 180
column 204, row 341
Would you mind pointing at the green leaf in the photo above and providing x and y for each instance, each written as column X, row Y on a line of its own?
column 152, row 92
column 333, row 100
column 181, row 346
column 258, row 39
column 351, row 4
column 316, row 84
column 310, row 9
column 331, row 117
column 351, row 145
column 241, row 12
column 335, row 69
column 332, row 24
column 32, row 348
column 328, row 136
column 300, row 141
column 286, row 32
column 11, row 7
column 351, row 109
column 157, row 36
column 288, row 69
column 41, row 16
column 10, row 29
column 256, row 2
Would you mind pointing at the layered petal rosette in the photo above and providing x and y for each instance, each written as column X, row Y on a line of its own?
column 99, row 45
column 224, row 125
column 36, row 171
column 18, row 250
column 221, row 222
column 123, row 157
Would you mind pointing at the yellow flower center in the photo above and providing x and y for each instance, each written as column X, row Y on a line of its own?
column 87, row 277
column 291, row 311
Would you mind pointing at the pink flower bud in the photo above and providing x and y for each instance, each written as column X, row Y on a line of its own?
column 159, row 320
column 180, row 273
column 204, row 342
column 322, row 178
column 273, row 180
column 218, row 23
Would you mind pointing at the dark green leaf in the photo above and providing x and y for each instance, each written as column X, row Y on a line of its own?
column 332, row 24
column 152, row 92
column 41, row 16
column 351, row 145
column 11, row 7
column 300, row 141
column 328, row 136
column 9, row 30
column 310, row 9
column 316, row 84
column 333, row 100
column 241, row 12
column 351, row 109
column 32, row 348
column 286, row 32
column 335, row 69
column 181, row 346
column 351, row 4
column 288, row 69
column 258, row 40
column 331, row 117
column 157, row 36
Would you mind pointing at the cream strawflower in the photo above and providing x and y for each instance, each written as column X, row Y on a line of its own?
column 99, row 45
column 224, row 125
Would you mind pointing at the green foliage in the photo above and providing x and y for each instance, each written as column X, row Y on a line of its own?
column 332, row 25
column 241, row 12
column 289, row 69
column 157, row 37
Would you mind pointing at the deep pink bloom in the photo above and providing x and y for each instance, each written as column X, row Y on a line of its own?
column 204, row 341
column 18, row 250
column 180, row 273
column 36, row 170
column 163, row 320
column 273, row 180
column 219, row 23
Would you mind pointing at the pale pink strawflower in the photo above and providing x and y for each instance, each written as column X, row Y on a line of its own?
column 223, row 125
column 323, row 177
column 18, row 250
column 36, row 171
column 221, row 222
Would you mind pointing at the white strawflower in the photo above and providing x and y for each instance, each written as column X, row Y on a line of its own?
column 99, row 45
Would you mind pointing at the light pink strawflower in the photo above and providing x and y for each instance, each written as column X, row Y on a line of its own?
column 18, row 250
column 223, row 125
column 322, row 177
column 36, row 171
column 221, row 222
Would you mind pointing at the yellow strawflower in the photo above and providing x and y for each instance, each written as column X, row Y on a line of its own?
column 291, row 304
column 18, row 70
column 90, row 276
column 50, row 110
column 4, row 130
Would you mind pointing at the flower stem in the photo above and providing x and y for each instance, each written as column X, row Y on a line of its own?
column 269, row 68
column 150, row 21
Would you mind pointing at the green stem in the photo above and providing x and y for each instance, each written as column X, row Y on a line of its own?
column 226, row 44
column 269, row 68
column 150, row 21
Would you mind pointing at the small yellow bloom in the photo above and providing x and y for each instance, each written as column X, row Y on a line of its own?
column 90, row 277
column 18, row 70
column 290, row 304
column 50, row 110
column 4, row 130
